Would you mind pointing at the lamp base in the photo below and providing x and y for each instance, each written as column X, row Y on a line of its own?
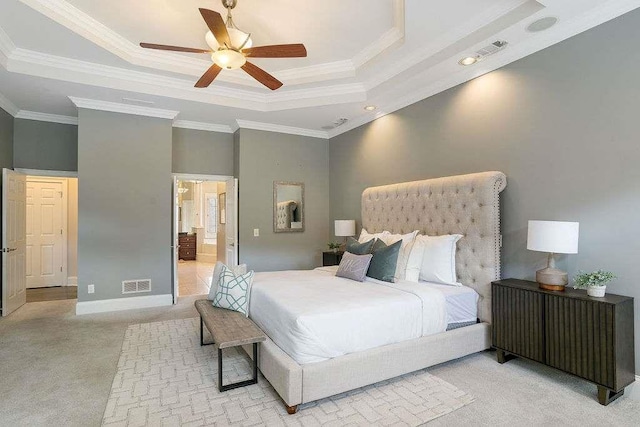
column 552, row 279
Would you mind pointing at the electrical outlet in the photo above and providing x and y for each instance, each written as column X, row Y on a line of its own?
column 91, row 289
column 256, row 232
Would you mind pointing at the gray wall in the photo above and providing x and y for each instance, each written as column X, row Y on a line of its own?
column 264, row 157
column 6, row 139
column 562, row 124
column 45, row 146
column 124, row 203
column 202, row 152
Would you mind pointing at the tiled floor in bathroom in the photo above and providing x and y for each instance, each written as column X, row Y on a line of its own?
column 194, row 277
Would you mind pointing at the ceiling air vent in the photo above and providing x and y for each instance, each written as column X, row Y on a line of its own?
column 494, row 47
column 335, row 124
column 136, row 286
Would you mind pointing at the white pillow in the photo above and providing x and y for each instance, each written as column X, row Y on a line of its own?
column 405, row 250
column 238, row 270
column 439, row 259
column 414, row 263
column 233, row 291
column 366, row 236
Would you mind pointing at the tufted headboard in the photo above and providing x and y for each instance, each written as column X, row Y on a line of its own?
column 463, row 204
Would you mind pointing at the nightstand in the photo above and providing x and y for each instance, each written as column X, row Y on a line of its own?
column 331, row 258
column 591, row 338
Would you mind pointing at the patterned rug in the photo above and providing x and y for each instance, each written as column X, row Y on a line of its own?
column 166, row 378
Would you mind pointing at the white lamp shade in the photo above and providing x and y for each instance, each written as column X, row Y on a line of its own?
column 345, row 227
column 553, row 236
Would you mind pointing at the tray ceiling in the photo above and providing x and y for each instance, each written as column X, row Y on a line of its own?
column 382, row 52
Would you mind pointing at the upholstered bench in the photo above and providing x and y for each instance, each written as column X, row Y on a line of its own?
column 229, row 329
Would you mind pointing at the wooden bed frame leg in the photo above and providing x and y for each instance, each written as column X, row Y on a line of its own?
column 291, row 409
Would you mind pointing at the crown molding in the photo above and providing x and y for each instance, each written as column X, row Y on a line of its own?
column 74, row 19
column 44, row 117
column 6, row 47
column 270, row 127
column 8, row 106
column 209, row 127
column 114, row 107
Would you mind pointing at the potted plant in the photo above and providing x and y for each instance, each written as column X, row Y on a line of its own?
column 595, row 283
column 333, row 246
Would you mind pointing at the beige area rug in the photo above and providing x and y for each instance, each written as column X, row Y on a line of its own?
column 165, row 377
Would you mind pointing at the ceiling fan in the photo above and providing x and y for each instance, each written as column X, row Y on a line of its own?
column 231, row 47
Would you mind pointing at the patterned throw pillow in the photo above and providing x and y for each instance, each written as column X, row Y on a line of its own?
column 233, row 291
column 358, row 248
column 354, row 267
column 217, row 271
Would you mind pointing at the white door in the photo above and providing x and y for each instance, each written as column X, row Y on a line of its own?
column 45, row 249
column 175, row 218
column 231, row 217
column 14, row 198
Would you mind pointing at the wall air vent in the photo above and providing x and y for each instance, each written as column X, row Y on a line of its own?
column 136, row 286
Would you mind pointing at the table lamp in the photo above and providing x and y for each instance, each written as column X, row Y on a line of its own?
column 554, row 237
column 345, row 228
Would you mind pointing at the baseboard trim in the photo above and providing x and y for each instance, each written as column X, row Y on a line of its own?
column 118, row 304
column 72, row 281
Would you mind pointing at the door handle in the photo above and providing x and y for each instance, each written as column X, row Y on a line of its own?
column 9, row 249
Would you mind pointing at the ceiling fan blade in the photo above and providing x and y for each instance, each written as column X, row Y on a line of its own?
column 209, row 76
column 262, row 76
column 217, row 26
column 173, row 48
column 277, row 51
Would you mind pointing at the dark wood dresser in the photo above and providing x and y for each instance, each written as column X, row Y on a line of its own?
column 187, row 244
column 591, row 338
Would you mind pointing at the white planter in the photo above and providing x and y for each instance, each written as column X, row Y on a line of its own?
column 596, row 291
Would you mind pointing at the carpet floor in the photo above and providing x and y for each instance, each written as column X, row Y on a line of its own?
column 57, row 369
column 165, row 377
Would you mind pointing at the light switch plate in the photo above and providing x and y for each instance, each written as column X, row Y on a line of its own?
column 256, row 232
column 91, row 289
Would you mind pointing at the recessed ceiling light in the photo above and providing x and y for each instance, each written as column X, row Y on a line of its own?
column 370, row 107
column 469, row 60
column 542, row 24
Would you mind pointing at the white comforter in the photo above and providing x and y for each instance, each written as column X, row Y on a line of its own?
column 314, row 315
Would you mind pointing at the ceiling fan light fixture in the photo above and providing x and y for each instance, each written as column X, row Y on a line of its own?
column 228, row 59
column 239, row 39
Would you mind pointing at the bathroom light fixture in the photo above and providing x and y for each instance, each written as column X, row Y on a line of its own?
column 469, row 60
column 370, row 107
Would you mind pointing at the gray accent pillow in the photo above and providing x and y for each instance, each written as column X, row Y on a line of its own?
column 384, row 261
column 358, row 248
column 354, row 267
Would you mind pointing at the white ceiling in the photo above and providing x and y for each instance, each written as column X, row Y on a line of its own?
column 388, row 53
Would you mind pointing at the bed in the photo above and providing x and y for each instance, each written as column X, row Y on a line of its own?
column 417, row 325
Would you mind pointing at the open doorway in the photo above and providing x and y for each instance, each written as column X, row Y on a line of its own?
column 203, row 222
column 51, row 254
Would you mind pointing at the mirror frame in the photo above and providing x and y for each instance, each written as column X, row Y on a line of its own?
column 275, row 207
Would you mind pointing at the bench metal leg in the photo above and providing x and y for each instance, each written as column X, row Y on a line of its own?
column 202, row 334
column 253, row 380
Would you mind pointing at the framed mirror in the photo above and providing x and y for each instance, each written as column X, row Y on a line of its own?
column 288, row 207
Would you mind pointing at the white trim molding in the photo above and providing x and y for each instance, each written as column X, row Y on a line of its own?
column 115, row 107
column 44, row 117
column 269, row 127
column 8, row 106
column 119, row 304
column 47, row 173
column 72, row 281
column 210, row 127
